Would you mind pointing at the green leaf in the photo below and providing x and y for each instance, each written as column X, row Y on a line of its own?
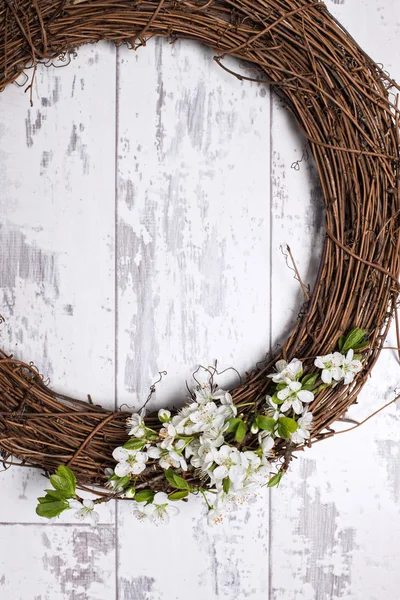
column 123, row 481
column 353, row 338
column 275, row 480
column 176, row 480
column 361, row 346
column 308, row 382
column 64, row 481
column 49, row 510
column 56, row 495
column 232, row 425
column 144, row 496
column 341, row 342
column 226, row 484
column 45, row 499
column 134, row 444
column 67, row 474
column 286, row 426
column 178, row 495
column 266, row 423
column 240, row 433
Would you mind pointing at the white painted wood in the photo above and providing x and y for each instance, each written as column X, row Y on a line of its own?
column 57, row 238
column 132, row 242
column 193, row 286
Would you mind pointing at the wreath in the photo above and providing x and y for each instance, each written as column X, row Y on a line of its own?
column 225, row 444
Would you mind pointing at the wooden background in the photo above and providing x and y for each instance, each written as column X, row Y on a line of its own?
column 144, row 199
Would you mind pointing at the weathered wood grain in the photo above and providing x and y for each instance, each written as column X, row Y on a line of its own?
column 57, row 238
column 132, row 242
column 185, row 294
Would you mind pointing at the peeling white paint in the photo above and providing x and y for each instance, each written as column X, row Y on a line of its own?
column 141, row 231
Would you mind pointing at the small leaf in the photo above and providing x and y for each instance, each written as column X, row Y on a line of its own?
column 62, row 485
column 144, row 496
column 176, row 480
column 266, row 423
column 308, row 382
column 45, row 499
column 64, row 481
column 354, row 338
column 49, row 510
column 226, row 484
column 361, row 346
column 69, row 475
column 56, row 495
column 341, row 342
column 275, row 480
column 134, row 444
column 286, row 426
column 232, row 425
column 178, row 495
column 123, row 481
column 240, row 433
column 283, row 432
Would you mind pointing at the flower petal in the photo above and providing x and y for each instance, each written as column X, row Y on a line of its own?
column 220, row 473
column 122, row 469
column 297, row 407
column 160, row 498
column 120, row 453
column 305, row 396
column 326, row 376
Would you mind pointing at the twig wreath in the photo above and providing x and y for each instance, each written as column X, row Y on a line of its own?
column 224, row 444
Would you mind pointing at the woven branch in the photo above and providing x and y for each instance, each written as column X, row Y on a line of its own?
column 347, row 107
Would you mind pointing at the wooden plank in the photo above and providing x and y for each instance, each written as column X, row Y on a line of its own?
column 60, row 562
column 335, row 518
column 193, row 286
column 57, row 238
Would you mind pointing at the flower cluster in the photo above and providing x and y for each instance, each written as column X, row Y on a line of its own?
column 337, row 367
column 212, row 440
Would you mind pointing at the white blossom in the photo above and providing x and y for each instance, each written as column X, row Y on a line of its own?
column 266, row 442
column 114, row 482
column 164, row 415
column 85, row 511
column 136, row 426
column 273, row 409
column 129, row 461
column 303, row 428
column 287, row 372
column 216, row 512
column 350, row 367
column 159, row 511
column 331, row 367
column 230, row 463
column 204, row 393
column 294, row 397
column 172, row 459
